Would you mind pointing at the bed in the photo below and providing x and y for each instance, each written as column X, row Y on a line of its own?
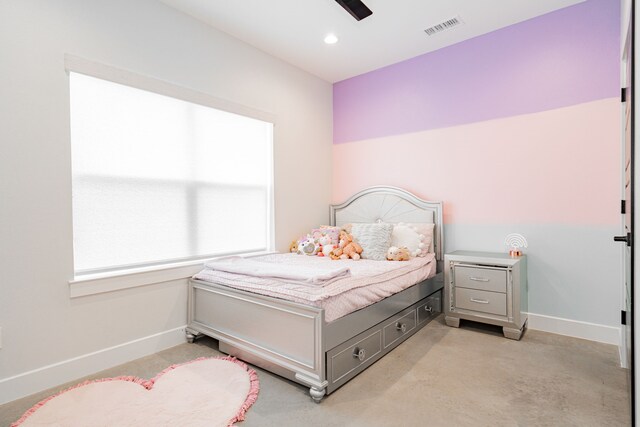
column 295, row 340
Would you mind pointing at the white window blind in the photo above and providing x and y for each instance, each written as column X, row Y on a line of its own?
column 158, row 179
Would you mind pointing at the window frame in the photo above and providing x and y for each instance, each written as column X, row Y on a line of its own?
column 89, row 282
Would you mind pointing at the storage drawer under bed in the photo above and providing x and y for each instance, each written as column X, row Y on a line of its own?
column 398, row 327
column 429, row 308
column 353, row 356
column 357, row 355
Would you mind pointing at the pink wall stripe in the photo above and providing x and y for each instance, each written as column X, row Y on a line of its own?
column 557, row 166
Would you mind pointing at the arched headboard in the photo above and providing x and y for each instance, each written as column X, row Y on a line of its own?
column 393, row 205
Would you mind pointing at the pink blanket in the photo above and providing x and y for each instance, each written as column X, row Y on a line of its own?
column 370, row 281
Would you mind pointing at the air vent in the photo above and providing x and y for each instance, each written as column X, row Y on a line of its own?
column 449, row 23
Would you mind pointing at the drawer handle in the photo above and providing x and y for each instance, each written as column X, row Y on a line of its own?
column 480, row 301
column 428, row 309
column 359, row 353
column 401, row 327
column 479, row 279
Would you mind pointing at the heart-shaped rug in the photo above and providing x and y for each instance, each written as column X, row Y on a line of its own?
column 203, row 392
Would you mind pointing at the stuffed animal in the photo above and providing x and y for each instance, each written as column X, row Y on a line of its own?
column 307, row 246
column 293, row 247
column 326, row 245
column 398, row 254
column 347, row 248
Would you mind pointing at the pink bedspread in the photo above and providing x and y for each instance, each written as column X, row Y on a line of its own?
column 370, row 281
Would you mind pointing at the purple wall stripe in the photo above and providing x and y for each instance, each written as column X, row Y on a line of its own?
column 560, row 59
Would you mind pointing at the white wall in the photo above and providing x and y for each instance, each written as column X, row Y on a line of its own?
column 41, row 325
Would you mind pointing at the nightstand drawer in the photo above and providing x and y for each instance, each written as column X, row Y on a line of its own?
column 481, row 301
column 486, row 279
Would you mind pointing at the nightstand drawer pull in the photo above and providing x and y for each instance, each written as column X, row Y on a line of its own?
column 479, row 279
column 428, row 309
column 359, row 353
column 480, row 301
column 401, row 327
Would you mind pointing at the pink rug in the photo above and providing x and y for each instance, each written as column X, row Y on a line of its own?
column 203, row 392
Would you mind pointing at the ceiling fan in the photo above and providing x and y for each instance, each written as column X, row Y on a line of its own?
column 356, row 8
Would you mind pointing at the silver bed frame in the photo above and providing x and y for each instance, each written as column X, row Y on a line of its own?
column 293, row 340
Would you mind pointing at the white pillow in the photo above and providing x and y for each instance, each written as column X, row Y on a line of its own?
column 375, row 239
column 417, row 237
column 426, row 228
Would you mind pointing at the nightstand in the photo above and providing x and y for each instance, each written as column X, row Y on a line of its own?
column 486, row 287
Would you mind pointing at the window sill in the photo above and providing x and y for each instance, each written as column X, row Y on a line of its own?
column 93, row 284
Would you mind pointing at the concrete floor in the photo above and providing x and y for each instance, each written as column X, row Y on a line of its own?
column 441, row 376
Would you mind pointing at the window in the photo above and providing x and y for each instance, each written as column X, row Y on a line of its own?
column 158, row 179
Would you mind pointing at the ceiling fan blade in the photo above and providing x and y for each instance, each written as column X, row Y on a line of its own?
column 356, row 8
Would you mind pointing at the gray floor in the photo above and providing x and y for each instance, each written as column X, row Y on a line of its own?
column 441, row 376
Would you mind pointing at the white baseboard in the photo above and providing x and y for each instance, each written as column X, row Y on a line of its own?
column 575, row 328
column 40, row 379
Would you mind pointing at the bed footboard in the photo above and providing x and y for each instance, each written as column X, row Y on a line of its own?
column 293, row 341
column 285, row 335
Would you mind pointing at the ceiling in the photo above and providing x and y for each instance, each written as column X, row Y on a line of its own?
column 293, row 30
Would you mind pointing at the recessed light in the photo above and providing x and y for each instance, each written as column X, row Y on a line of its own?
column 331, row 38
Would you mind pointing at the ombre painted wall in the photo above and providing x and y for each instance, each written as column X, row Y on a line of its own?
column 516, row 131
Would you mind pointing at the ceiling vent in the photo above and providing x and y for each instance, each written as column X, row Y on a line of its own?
column 438, row 28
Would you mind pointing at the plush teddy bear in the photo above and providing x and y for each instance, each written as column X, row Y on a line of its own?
column 398, row 254
column 347, row 248
column 293, row 247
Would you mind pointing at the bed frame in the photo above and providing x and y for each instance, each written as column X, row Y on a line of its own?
column 293, row 340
